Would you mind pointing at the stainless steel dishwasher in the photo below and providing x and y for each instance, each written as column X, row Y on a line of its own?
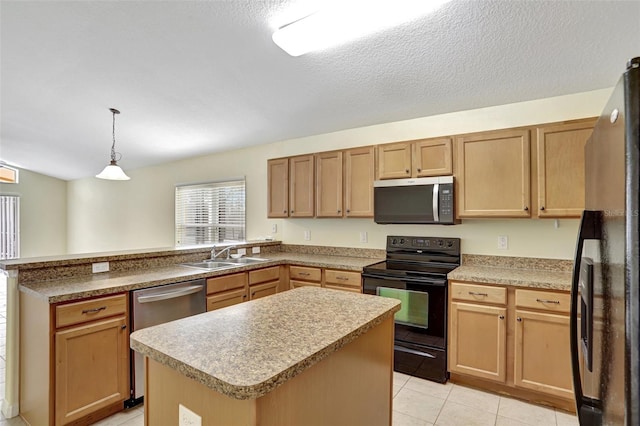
column 157, row 305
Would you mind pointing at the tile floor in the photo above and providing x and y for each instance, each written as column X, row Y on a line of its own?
column 416, row 402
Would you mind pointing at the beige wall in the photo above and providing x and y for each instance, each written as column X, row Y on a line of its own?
column 43, row 213
column 139, row 213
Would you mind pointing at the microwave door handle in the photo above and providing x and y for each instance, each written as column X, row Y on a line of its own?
column 436, row 190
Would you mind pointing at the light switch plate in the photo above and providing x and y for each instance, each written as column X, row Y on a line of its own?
column 503, row 242
column 363, row 237
column 274, row 228
column 242, row 251
column 100, row 267
column 187, row 417
column 307, row 235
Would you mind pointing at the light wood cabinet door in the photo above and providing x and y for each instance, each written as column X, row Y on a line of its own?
column 477, row 341
column 394, row 160
column 542, row 353
column 329, row 184
column 278, row 187
column 359, row 172
column 226, row 298
column 262, row 290
column 301, row 186
column 560, row 171
column 91, row 368
column 432, row 157
column 493, row 174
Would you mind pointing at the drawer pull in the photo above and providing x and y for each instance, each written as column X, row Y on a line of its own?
column 124, row 327
column 253, row 294
column 304, row 274
column 473, row 293
column 342, row 278
column 519, row 319
column 501, row 317
column 555, row 302
column 94, row 310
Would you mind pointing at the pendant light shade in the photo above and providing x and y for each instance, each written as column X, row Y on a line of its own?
column 113, row 171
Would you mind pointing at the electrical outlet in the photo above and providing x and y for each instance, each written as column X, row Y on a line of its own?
column 363, row 237
column 503, row 242
column 100, row 267
column 187, row 417
column 255, row 250
column 242, row 251
column 307, row 235
column 274, row 228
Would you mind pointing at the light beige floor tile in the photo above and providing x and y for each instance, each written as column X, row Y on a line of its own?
column 400, row 419
column 505, row 421
column 428, row 387
column 136, row 421
column 15, row 421
column 566, row 419
column 119, row 418
column 526, row 413
column 454, row 414
column 419, row 405
column 400, row 378
column 474, row 398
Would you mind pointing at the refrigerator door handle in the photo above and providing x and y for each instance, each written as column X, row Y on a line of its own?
column 588, row 410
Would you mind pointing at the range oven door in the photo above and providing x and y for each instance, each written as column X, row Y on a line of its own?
column 420, row 325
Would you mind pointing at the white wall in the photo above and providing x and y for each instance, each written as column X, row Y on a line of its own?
column 139, row 213
column 43, row 213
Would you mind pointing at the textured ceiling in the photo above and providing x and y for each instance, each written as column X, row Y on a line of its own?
column 195, row 77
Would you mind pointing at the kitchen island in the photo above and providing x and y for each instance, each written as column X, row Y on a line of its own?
column 303, row 357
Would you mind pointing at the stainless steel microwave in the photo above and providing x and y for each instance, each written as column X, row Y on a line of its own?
column 419, row 201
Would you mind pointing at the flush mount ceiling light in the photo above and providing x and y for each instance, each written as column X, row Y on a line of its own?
column 342, row 21
column 113, row 171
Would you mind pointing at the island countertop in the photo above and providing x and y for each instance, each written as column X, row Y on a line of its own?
column 247, row 350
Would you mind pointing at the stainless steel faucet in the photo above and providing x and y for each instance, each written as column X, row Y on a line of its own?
column 226, row 249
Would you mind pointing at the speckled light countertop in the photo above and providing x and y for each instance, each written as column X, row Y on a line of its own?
column 55, row 291
column 247, row 350
column 515, row 271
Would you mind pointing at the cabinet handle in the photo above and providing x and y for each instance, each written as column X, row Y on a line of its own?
column 291, row 211
column 406, row 171
column 556, row 302
column 339, row 211
column 244, row 296
column 542, row 208
column 419, row 170
column 94, row 310
column 123, row 327
column 342, row 278
column 253, row 294
column 304, row 274
column 473, row 293
column 526, row 208
column 501, row 317
column 348, row 211
column 519, row 319
column 284, row 212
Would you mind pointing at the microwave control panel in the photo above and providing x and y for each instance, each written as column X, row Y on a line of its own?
column 446, row 203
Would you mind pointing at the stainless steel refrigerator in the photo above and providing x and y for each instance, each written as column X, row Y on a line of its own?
column 605, row 328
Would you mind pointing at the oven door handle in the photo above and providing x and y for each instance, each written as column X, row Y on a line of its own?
column 438, row 283
column 412, row 351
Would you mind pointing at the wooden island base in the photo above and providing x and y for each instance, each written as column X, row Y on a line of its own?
column 353, row 386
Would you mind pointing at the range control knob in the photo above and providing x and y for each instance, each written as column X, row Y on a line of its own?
column 394, row 241
column 449, row 243
column 440, row 243
column 401, row 240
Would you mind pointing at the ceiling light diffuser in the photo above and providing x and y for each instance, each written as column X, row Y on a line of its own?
column 343, row 21
column 113, row 171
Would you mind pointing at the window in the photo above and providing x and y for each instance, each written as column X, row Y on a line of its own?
column 210, row 212
column 9, row 227
column 8, row 174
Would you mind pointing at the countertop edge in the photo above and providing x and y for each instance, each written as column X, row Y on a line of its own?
column 260, row 389
column 525, row 278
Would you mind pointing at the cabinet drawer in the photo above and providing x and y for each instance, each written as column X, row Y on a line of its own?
column 264, row 275
column 345, row 278
column 89, row 310
column 339, row 287
column 228, row 298
column 305, row 273
column 227, row 282
column 479, row 293
column 296, row 284
column 546, row 300
column 262, row 290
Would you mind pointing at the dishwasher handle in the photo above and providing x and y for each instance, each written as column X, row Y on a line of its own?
column 170, row 294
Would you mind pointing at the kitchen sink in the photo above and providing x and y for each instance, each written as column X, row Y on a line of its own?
column 246, row 260
column 227, row 263
column 210, row 264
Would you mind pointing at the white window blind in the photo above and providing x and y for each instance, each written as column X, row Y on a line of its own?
column 9, row 227
column 211, row 212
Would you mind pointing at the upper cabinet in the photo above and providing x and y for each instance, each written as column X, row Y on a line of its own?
column 493, row 174
column 278, row 187
column 329, row 184
column 560, row 168
column 359, row 166
column 419, row 158
column 301, row 186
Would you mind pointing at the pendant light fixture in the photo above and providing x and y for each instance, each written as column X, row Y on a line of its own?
column 113, row 171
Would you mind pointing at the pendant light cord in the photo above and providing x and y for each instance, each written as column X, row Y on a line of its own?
column 113, row 133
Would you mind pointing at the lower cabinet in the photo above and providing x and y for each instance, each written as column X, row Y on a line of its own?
column 300, row 276
column 515, row 340
column 264, row 282
column 227, row 290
